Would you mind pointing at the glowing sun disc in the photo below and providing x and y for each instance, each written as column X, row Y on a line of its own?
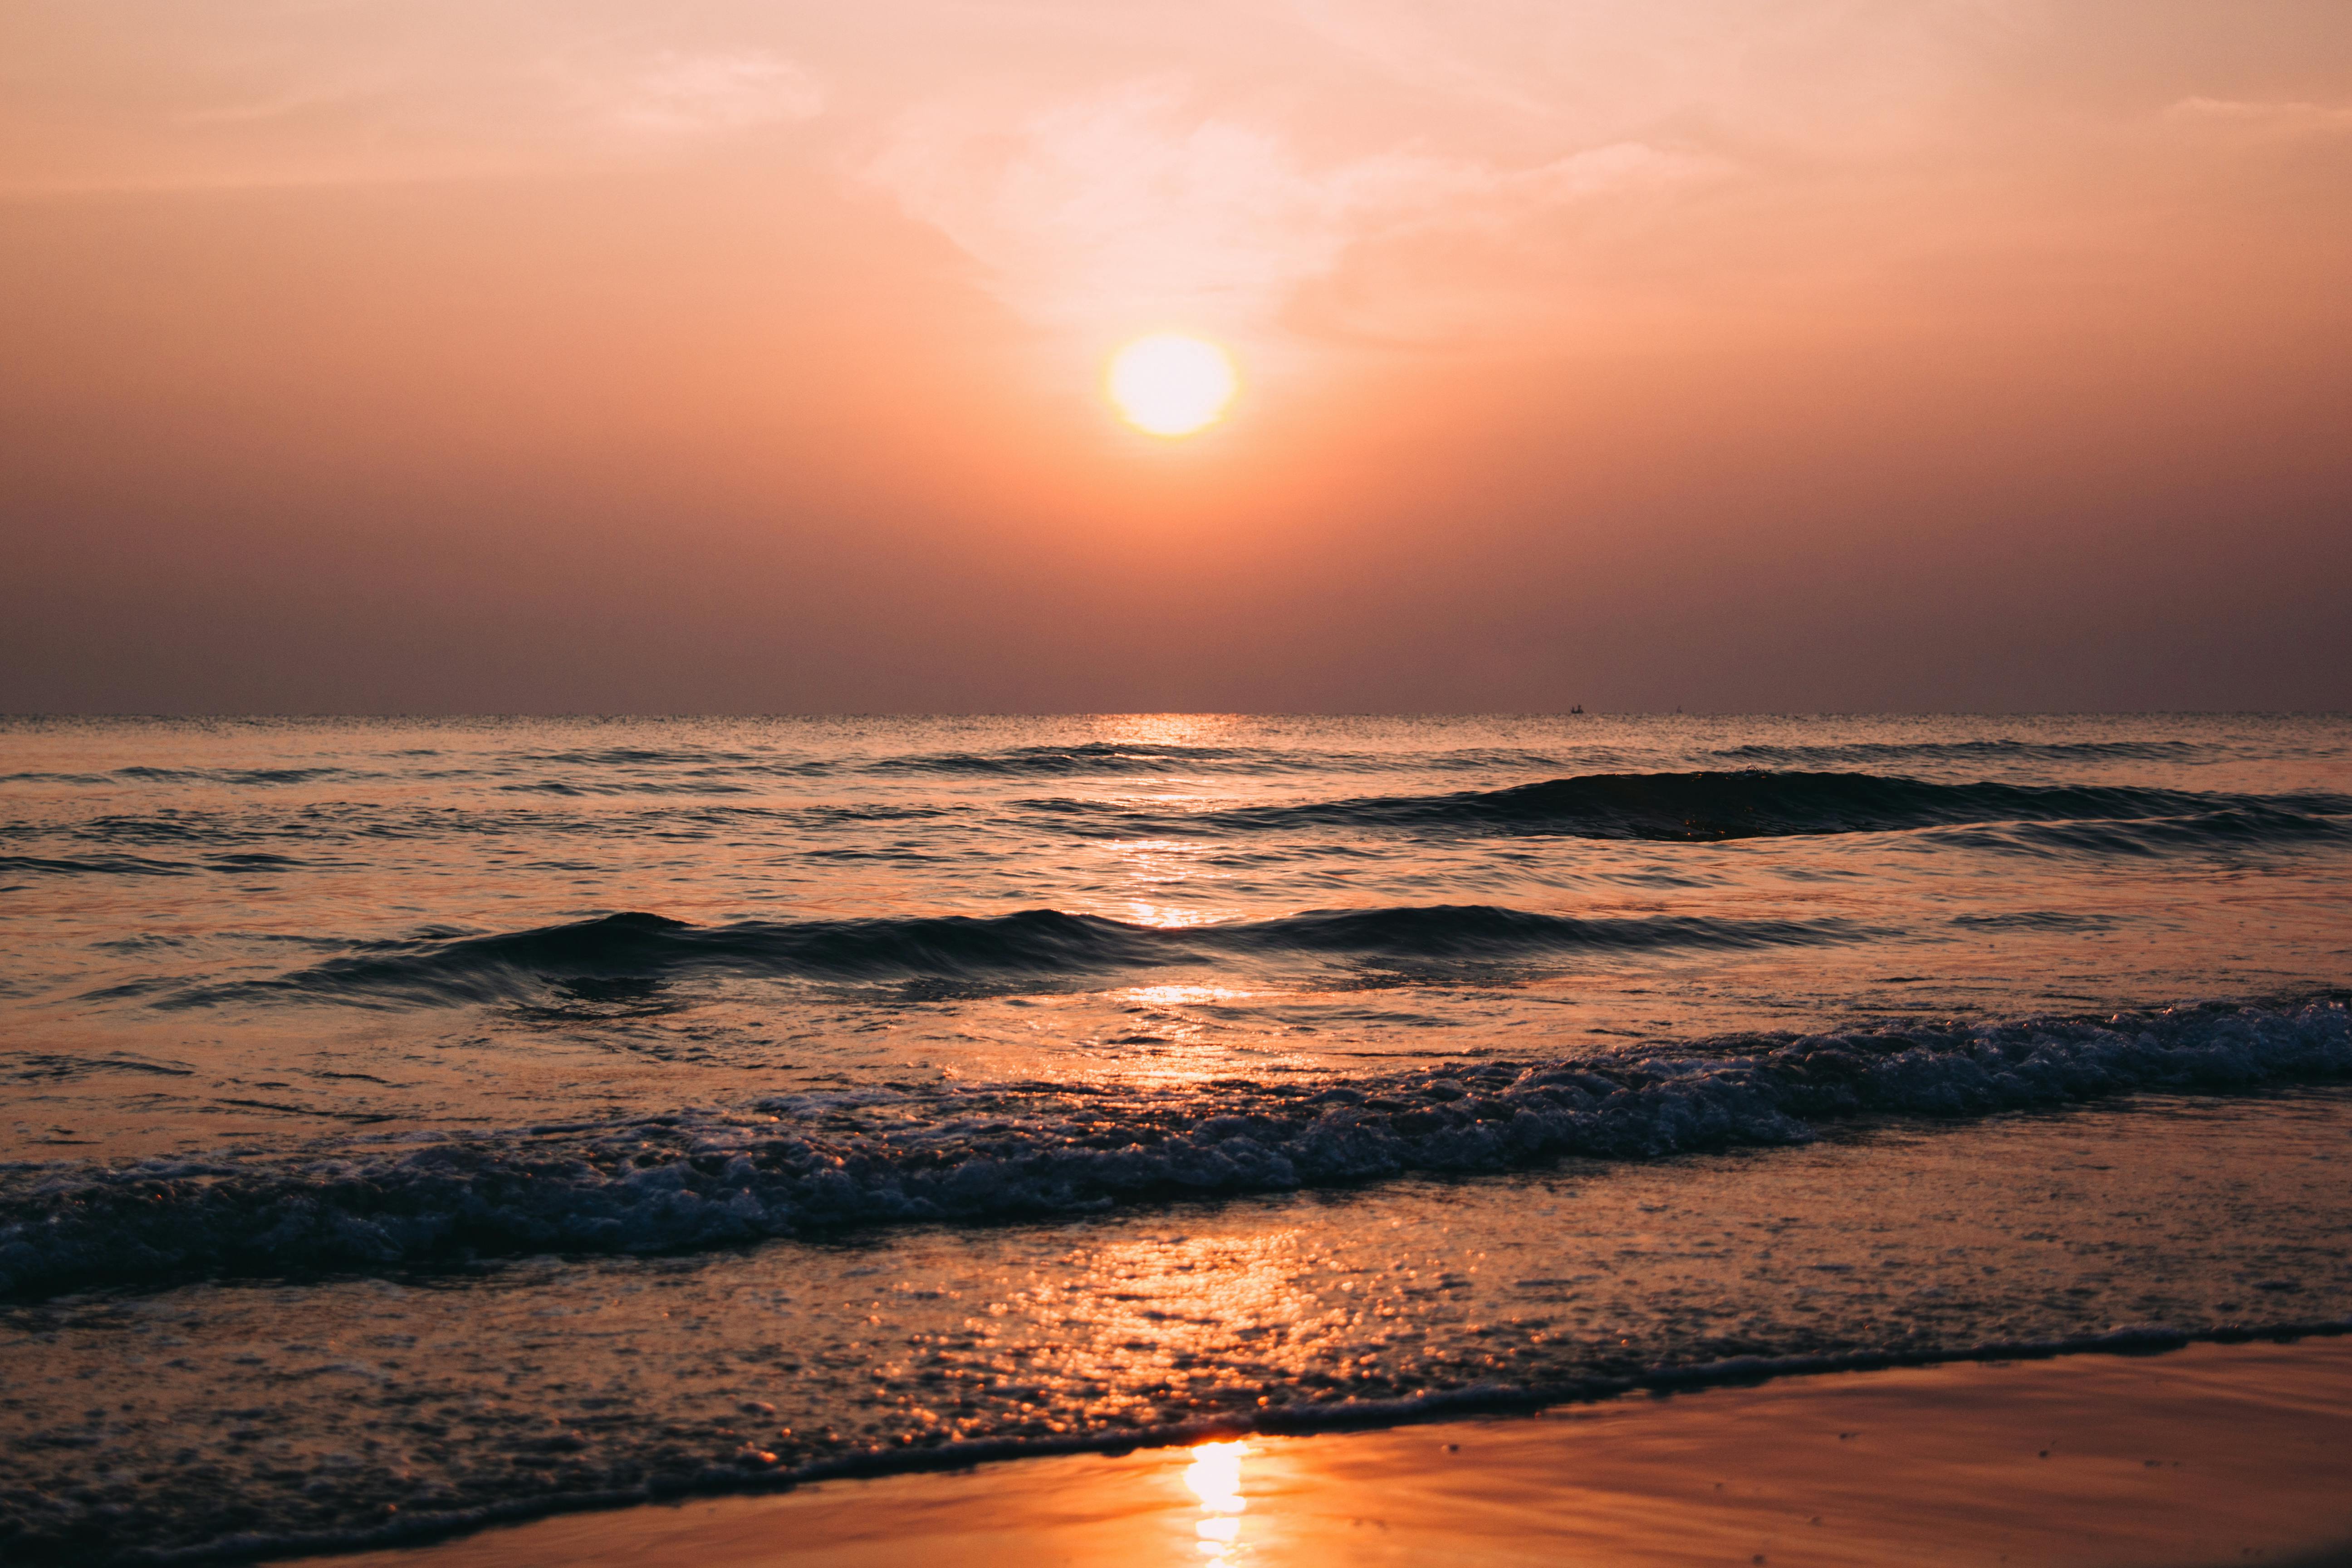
column 1171, row 385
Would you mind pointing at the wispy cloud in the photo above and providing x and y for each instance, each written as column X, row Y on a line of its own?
column 686, row 94
column 227, row 98
column 1131, row 207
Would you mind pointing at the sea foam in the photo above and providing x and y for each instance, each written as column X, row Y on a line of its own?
column 807, row 1163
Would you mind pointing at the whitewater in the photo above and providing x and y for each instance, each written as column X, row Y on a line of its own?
column 414, row 1123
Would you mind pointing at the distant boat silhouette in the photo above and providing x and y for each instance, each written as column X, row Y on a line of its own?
column 1578, row 709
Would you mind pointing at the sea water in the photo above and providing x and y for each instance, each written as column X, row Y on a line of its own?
column 414, row 1122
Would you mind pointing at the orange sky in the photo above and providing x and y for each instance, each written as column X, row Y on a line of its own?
column 721, row 356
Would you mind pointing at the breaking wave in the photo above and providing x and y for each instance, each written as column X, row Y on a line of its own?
column 1997, row 750
column 955, row 950
column 1758, row 804
column 1701, row 806
column 807, row 1163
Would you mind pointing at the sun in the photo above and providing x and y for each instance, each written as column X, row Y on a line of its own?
column 1171, row 385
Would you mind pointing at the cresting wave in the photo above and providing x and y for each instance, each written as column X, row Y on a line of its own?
column 810, row 1164
column 140, row 866
column 966, row 949
column 2000, row 750
column 1703, row 806
column 1755, row 803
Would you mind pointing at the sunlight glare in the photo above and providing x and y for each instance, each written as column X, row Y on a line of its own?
column 1215, row 1475
column 1171, row 385
column 1216, row 1478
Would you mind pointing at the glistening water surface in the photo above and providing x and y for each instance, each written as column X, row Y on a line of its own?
column 410, row 1121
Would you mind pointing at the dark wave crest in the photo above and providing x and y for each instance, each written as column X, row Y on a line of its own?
column 1757, row 804
column 1094, row 758
column 235, row 776
column 141, row 866
column 2240, row 829
column 2062, row 753
column 805, row 1164
column 1097, row 757
column 1028, row 946
column 93, row 865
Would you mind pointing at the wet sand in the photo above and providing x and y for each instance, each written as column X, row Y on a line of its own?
column 2210, row 1455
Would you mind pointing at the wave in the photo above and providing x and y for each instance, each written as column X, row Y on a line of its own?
column 674, row 757
column 2004, row 751
column 1099, row 757
column 238, row 775
column 810, row 1164
column 1683, row 807
column 636, row 770
column 1691, row 808
column 2237, row 828
column 95, row 865
column 1103, row 757
column 144, row 775
column 687, row 784
column 2040, row 920
column 34, row 1066
column 140, row 866
column 622, row 949
column 622, row 770
column 348, row 822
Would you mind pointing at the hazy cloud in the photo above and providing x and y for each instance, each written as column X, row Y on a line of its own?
column 227, row 95
column 682, row 93
column 1131, row 207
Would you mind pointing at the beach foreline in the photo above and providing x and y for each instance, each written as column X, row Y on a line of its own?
column 2159, row 1451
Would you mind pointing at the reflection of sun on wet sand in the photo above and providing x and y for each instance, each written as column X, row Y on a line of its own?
column 2210, row 1455
column 1216, row 1478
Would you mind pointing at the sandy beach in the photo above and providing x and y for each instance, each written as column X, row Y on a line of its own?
column 2209, row 1455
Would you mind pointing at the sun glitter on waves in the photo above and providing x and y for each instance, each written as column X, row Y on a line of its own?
column 1172, row 385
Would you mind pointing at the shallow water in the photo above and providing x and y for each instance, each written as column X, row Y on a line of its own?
column 499, row 1042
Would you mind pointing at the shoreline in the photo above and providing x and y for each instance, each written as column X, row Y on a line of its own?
column 2210, row 1454
column 547, row 1526
column 370, row 1413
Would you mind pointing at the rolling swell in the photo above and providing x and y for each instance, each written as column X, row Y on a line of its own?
column 810, row 1164
column 1094, row 758
column 93, row 865
column 2048, row 752
column 1031, row 945
column 1699, row 808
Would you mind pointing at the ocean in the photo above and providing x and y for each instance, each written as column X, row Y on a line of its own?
column 411, row 1124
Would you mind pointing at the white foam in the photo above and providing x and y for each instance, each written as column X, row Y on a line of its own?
column 799, row 1163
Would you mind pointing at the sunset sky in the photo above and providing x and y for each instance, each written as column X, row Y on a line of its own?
column 510, row 356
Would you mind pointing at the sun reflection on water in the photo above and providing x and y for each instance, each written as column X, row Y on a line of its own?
column 1168, row 728
column 1182, row 995
column 1216, row 1478
column 1156, row 868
